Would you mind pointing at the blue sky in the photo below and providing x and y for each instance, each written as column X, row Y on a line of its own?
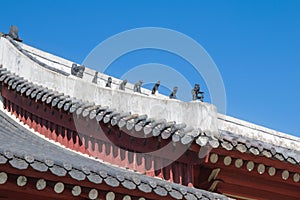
column 255, row 44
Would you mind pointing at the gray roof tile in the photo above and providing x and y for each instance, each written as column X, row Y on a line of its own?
column 32, row 148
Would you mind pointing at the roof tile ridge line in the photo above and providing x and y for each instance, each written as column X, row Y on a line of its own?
column 44, row 65
column 143, row 178
column 257, row 129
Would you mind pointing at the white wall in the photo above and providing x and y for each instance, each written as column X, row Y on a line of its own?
column 195, row 114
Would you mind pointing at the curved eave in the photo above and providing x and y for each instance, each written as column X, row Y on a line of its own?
column 30, row 150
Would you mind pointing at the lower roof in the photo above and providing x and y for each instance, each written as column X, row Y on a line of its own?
column 22, row 148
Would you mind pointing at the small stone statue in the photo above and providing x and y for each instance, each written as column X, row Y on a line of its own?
column 77, row 70
column 123, row 84
column 108, row 83
column 137, row 86
column 173, row 94
column 14, row 33
column 155, row 88
column 95, row 78
column 197, row 94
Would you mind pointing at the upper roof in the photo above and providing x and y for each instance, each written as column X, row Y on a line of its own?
column 208, row 126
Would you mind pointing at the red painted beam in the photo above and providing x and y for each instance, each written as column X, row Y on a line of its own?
column 244, row 172
column 241, row 191
column 257, row 183
column 258, row 159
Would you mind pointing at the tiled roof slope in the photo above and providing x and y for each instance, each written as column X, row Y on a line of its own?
column 22, row 149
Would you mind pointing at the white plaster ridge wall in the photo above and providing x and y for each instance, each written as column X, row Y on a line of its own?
column 250, row 130
column 65, row 65
column 194, row 114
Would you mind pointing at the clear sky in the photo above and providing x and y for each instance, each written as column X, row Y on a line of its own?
column 255, row 44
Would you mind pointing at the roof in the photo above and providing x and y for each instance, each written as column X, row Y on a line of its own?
column 22, row 148
column 44, row 77
column 204, row 115
column 231, row 133
column 226, row 139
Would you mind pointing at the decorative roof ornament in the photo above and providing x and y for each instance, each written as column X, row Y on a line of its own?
column 108, row 83
column 155, row 88
column 137, row 86
column 123, row 84
column 95, row 78
column 173, row 94
column 197, row 94
column 14, row 33
column 77, row 70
